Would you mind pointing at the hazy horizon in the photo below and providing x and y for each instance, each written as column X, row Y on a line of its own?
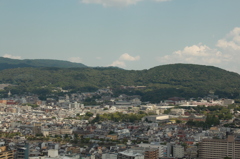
column 130, row 34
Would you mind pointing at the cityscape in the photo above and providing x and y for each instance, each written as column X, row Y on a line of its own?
column 118, row 127
column 119, row 79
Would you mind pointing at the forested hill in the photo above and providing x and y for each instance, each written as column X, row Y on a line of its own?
column 184, row 80
column 7, row 63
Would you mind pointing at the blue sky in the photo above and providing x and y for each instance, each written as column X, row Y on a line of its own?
column 131, row 34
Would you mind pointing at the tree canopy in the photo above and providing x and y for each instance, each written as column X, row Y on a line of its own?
column 162, row 82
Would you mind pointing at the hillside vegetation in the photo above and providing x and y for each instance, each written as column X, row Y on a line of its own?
column 7, row 63
column 183, row 80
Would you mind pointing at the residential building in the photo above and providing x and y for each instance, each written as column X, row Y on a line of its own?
column 219, row 148
column 113, row 136
column 178, row 151
column 139, row 153
column 109, row 156
column 5, row 153
column 23, row 151
column 130, row 154
column 162, row 148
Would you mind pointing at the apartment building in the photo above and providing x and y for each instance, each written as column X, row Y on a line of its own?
column 219, row 148
column 162, row 148
column 5, row 153
column 22, row 151
column 178, row 151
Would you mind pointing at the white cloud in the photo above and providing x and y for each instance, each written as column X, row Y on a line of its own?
column 198, row 54
column 162, row 0
column 118, row 63
column 75, row 59
column 195, row 50
column 228, row 45
column 117, row 3
column 99, row 58
column 112, row 3
column 124, row 57
column 231, row 41
column 225, row 55
column 11, row 56
column 127, row 57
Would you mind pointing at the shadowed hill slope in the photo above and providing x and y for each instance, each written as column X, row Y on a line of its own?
column 6, row 63
column 185, row 80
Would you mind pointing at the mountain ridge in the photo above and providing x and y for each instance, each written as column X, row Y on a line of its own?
column 184, row 80
column 6, row 63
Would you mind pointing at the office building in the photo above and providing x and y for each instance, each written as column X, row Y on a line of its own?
column 219, row 148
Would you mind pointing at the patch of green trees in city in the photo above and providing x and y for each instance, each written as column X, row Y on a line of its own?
column 119, row 117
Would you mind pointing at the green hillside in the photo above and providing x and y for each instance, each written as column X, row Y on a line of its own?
column 7, row 63
column 183, row 80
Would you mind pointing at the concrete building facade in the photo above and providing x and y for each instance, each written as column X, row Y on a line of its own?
column 178, row 151
column 219, row 148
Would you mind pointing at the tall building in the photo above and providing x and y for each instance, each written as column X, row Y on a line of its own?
column 219, row 148
column 23, row 151
column 169, row 149
column 178, row 151
column 5, row 153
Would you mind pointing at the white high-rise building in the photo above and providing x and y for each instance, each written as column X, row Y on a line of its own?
column 178, row 151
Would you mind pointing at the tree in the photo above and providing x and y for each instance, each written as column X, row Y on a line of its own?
column 178, row 121
column 89, row 114
column 97, row 119
column 111, row 132
column 141, row 112
column 167, row 111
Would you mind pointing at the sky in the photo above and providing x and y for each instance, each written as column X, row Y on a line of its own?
column 130, row 34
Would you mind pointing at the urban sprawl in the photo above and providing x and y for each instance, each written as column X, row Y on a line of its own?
column 123, row 127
